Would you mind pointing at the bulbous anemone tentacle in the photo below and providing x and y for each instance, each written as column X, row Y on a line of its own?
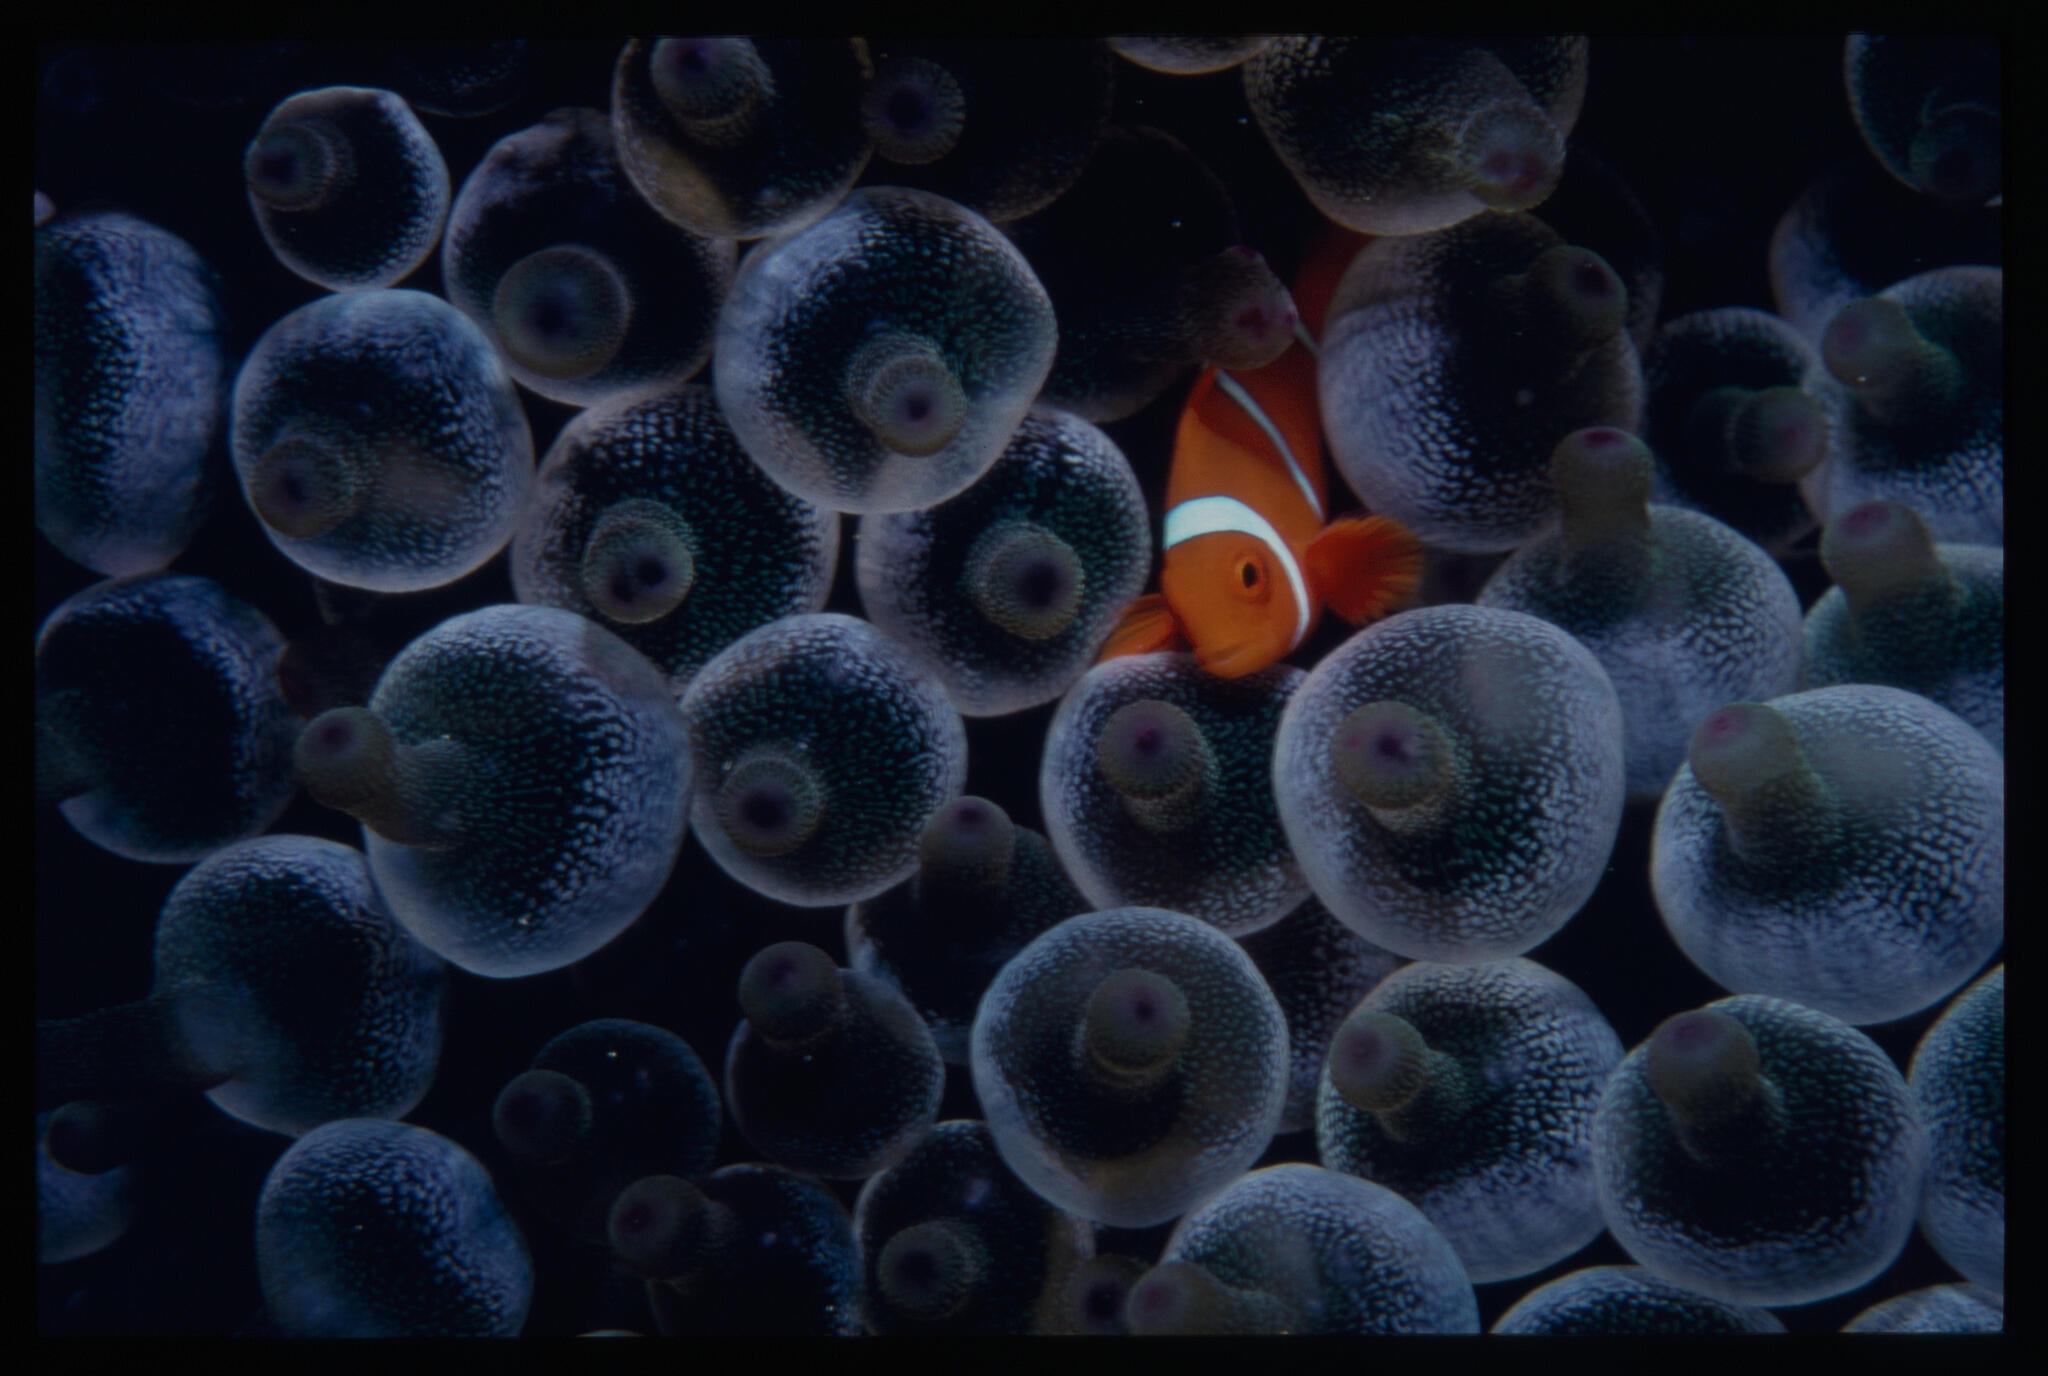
column 1096, row 1292
column 1133, row 1027
column 638, row 565
column 914, row 110
column 1568, row 299
column 129, row 1050
column 1747, row 757
column 349, row 759
column 1770, row 434
column 563, row 311
column 304, row 488
column 1154, row 755
column 1878, row 550
column 1152, row 749
column 299, row 164
column 1184, row 1298
column 1378, row 1061
column 1603, row 481
column 1703, row 1065
column 900, row 387
column 714, row 88
column 931, row 1270
column 1235, row 311
column 664, row 1226
column 1393, row 758
column 791, row 993
column 542, row 1117
column 1511, row 155
column 770, row 804
column 967, row 846
column 1894, row 371
column 1025, row 579
column 1956, row 154
column 347, row 187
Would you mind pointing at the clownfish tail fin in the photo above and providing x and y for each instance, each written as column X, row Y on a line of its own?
column 1147, row 625
column 1364, row 567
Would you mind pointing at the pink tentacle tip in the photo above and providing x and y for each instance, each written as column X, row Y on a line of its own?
column 1725, row 725
column 1365, row 1049
column 1867, row 519
column 1514, row 172
column 1692, row 1034
column 1591, row 279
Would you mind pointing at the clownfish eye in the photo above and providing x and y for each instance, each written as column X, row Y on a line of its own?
column 1250, row 578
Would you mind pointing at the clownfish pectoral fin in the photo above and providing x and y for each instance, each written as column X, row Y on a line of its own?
column 1148, row 625
column 1364, row 566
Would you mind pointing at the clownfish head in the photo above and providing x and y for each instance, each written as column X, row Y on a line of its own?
column 1234, row 586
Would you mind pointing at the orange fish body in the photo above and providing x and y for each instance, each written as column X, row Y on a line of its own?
column 1249, row 559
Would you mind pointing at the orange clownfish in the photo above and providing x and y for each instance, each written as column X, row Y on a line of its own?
column 1249, row 562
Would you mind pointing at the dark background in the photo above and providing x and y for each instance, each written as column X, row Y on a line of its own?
column 1715, row 136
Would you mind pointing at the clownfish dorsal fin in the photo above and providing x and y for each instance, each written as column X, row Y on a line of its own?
column 1363, row 567
column 1147, row 625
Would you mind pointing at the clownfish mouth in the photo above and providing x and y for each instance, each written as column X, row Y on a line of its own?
column 1232, row 661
